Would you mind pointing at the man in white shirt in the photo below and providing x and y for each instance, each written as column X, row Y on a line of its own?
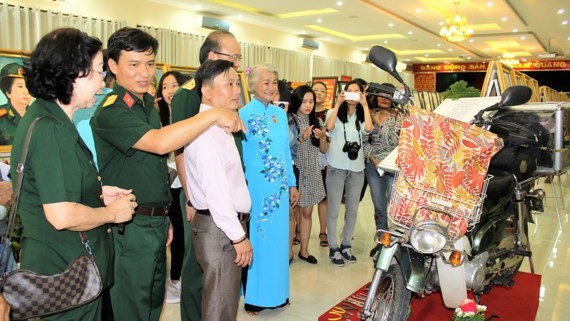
column 219, row 193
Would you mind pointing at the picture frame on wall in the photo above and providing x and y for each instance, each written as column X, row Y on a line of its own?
column 332, row 84
column 8, row 56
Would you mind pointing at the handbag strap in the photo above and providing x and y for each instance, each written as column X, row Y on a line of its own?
column 18, row 188
column 20, row 178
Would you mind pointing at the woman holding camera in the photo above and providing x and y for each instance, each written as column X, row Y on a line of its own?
column 346, row 124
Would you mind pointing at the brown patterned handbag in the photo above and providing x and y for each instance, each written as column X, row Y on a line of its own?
column 33, row 295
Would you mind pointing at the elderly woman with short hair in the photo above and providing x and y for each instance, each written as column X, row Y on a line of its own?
column 272, row 186
column 61, row 191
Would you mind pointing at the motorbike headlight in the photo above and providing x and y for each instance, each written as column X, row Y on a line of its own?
column 428, row 237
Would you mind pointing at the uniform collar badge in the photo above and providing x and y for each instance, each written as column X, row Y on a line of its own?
column 128, row 100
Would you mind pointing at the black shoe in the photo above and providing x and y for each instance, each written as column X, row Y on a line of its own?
column 374, row 250
column 310, row 259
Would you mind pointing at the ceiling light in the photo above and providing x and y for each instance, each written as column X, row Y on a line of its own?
column 339, row 3
column 385, row 41
column 418, row 10
column 409, row 32
column 471, row 40
column 319, row 20
column 390, row 25
column 565, row 22
column 523, row 38
column 489, row 4
column 515, row 30
column 561, row 11
column 504, row 18
column 426, row 55
column 509, row 59
column 439, row 45
column 469, row 57
column 455, row 28
column 450, row 49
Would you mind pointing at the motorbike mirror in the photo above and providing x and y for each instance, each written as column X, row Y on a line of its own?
column 515, row 95
column 386, row 60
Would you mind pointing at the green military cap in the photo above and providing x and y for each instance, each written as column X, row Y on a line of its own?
column 13, row 70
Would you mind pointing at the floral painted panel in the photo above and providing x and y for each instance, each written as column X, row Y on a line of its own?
column 443, row 163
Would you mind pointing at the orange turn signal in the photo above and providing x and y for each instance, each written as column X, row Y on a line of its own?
column 386, row 239
column 455, row 258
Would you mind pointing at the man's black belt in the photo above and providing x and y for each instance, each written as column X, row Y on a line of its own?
column 152, row 211
column 244, row 217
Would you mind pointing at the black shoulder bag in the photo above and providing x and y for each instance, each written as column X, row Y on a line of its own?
column 32, row 295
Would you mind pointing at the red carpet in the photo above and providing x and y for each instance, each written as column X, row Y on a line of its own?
column 518, row 303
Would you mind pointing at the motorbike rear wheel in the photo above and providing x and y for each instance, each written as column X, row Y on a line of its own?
column 392, row 299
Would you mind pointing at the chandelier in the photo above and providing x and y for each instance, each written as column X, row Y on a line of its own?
column 455, row 28
column 510, row 60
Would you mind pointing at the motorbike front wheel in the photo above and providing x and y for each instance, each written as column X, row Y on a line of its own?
column 392, row 299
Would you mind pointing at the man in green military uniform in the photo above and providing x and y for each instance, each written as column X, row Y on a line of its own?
column 13, row 86
column 186, row 104
column 132, row 148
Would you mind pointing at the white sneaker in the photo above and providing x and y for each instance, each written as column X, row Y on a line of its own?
column 172, row 292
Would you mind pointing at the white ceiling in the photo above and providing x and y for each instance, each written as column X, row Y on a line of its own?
column 414, row 31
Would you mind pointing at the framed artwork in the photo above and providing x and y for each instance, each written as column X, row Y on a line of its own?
column 331, row 83
column 491, row 84
column 533, row 84
column 8, row 57
column 504, row 75
column 517, row 77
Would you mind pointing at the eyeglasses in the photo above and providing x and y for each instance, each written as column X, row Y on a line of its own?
column 102, row 73
column 234, row 58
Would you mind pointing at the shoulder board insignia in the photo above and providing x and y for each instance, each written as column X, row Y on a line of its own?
column 128, row 100
column 110, row 100
column 11, row 113
column 3, row 112
column 191, row 84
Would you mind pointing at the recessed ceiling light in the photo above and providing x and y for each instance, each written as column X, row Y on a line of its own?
column 515, row 30
column 561, row 11
column 523, row 38
column 319, row 20
column 565, row 22
column 418, row 10
column 532, row 48
column 240, row 16
column 499, row 57
column 426, row 55
column 468, row 58
column 441, row 23
column 439, row 45
column 471, row 40
column 365, row 48
column 409, row 32
column 408, row 59
column 198, row 7
column 328, row 38
column 504, row 18
column 568, row 38
column 390, row 25
column 489, row 4
column 449, row 49
column 385, row 41
column 339, row 3
column 303, row 32
column 487, row 49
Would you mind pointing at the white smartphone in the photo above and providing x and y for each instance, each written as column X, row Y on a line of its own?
column 351, row 96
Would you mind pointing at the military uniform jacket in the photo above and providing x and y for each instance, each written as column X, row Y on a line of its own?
column 9, row 120
column 118, row 124
column 59, row 168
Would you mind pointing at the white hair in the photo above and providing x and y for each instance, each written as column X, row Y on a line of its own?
column 256, row 70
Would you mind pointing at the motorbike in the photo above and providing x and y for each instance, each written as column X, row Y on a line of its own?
column 419, row 256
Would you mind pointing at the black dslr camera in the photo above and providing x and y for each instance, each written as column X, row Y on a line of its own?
column 351, row 148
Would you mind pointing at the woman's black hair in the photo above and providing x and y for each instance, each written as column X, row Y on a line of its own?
column 343, row 108
column 6, row 85
column 130, row 39
column 163, row 109
column 373, row 102
column 59, row 58
column 297, row 99
column 284, row 92
column 319, row 82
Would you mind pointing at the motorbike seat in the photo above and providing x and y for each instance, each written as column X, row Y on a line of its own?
column 499, row 190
